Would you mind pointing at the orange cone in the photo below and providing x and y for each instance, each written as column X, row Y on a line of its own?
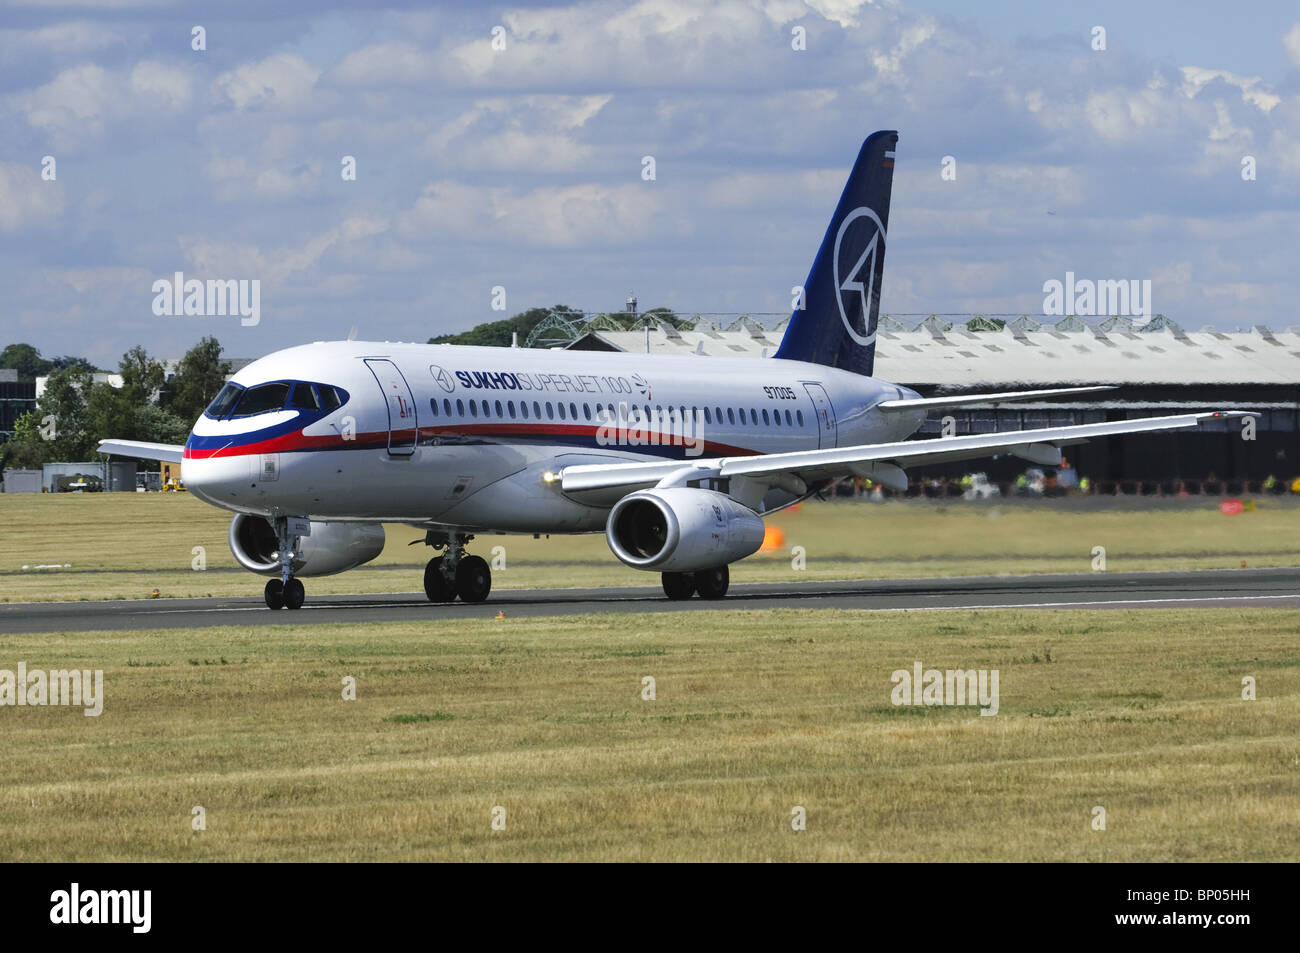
column 773, row 539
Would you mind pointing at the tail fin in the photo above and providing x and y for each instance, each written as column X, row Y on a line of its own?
column 837, row 325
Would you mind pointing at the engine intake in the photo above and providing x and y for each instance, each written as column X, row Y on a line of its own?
column 681, row 529
column 331, row 547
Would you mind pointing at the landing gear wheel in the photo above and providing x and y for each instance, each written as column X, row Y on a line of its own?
column 437, row 586
column 274, row 593
column 678, row 585
column 473, row 578
column 294, row 593
column 712, row 583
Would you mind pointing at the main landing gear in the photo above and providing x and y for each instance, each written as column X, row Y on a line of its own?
column 709, row 583
column 455, row 573
column 286, row 592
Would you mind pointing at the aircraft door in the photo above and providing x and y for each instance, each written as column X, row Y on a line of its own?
column 825, row 415
column 402, row 427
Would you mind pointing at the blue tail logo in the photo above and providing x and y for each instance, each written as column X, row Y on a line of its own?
column 837, row 325
column 861, row 277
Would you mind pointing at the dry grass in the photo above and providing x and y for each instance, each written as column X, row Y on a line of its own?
column 1139, row 712
column 125, row 545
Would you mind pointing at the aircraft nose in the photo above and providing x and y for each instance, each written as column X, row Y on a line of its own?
column 215, row 479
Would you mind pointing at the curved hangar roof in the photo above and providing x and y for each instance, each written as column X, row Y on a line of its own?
column 938, row 352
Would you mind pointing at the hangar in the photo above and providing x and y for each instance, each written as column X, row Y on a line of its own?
column 1158, row 368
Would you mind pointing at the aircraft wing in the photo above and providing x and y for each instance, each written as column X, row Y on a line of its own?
column 882, row 461
column 167, row 452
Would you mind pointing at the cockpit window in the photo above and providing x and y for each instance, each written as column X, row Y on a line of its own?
column 304, row 398
column 224, row 401
column 329, row 398
column 262, row 399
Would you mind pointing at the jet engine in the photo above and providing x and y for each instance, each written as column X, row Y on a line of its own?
column 332, row 547
column 681, row 529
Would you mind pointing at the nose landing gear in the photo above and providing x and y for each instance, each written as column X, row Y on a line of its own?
column 287, row 592
column 455, row 573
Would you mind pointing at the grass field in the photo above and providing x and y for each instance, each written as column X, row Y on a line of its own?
column 756, row 713
column 123, row 546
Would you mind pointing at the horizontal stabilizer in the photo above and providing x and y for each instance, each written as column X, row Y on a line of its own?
column 166, row 452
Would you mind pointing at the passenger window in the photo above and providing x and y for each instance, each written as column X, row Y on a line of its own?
column 537, row 410
column 765, row 420
column 510, row 406
column 586, row 411
column 460, row 408
column 753, row 416
column 731, row 416
column 262, row 399
column 433, row 406
column 446, row 407
column 550, row 411
column 788, row 422
column 561, row 411
column 523, row 406
column 473, row 409
column 498, row 409
column 799, row 416
column 573, row 411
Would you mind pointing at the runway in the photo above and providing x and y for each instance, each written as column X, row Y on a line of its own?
column 1210, row 588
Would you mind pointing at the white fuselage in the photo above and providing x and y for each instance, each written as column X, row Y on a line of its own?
column 452, row 436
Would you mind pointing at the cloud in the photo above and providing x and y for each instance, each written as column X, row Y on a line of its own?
column 280, row 81
column 220, row 259
column 81, row 101
column 384, row 64
column 75, row 36
column 1291, row 41
column 26, row 198
column 1196, row 78
column 554, row 216
column 532, row 133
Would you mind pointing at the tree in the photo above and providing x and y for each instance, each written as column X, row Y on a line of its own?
column 200, row 375
column 26, row 360
column 62, row 363
column 159, row 425
column 498, row 333
column 62, row 418
column 26, row 450
column 142, row 376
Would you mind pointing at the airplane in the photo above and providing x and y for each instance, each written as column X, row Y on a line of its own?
column 677, row 459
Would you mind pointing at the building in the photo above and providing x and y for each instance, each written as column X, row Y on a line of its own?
column 1156, row 370
column 16, row 398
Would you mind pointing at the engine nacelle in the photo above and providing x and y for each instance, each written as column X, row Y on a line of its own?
column 681, row 529
column 331, row 547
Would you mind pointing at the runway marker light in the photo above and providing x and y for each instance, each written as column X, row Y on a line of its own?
column 155, row 594
column 501, row 614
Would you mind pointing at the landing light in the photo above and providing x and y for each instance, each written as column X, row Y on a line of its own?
column 550, row 477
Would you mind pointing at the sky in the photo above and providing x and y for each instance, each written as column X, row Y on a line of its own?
column 521, row 164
